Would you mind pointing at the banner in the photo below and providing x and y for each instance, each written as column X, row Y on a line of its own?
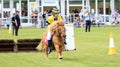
column 50, row 2
column 32, row 5
column 70, row 37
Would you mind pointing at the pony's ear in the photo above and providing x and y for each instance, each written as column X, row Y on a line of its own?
column 61, row 22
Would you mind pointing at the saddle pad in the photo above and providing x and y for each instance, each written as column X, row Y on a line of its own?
column 45, row 40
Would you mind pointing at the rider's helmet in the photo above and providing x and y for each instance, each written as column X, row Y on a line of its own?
column 55, row 11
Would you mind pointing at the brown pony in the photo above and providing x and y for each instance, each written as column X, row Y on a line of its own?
column 58, row 34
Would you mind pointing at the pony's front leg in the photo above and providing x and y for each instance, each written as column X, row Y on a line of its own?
column 58, row 51
column 46, row 52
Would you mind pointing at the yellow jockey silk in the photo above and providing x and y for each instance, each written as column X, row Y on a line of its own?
column 50, row 19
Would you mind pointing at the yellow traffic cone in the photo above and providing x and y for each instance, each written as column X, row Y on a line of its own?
column 112, row 50
column 10, row 29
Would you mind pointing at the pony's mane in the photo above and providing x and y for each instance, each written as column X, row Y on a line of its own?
column 57, row 26
column 59, row 23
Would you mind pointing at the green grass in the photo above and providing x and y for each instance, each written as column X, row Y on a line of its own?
column 92, row 50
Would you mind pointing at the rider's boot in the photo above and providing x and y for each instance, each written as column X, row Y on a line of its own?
column 49, row 41
column 49, row 46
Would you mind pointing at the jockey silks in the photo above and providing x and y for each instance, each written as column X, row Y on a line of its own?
column 51, row 19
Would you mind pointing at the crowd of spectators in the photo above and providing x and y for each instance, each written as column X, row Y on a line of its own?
column 76, row 16
column 114, row 18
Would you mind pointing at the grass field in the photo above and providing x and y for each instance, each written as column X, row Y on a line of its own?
column 92, row 50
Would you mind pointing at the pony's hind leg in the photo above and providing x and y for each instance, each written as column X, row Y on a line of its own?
column 46, row 52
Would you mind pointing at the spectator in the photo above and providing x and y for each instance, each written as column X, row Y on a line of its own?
column 93, row 22
column 40, row 21
column 45, row 15
column 88, row 21
column 116, row 14
column 98, row 22
column 77, row 22
column 49, row 12
column 13, row 24
column 81, row 14
column 35, row 19
column 2, row 24
column 118, row 20
column 76, row 13
column 66, row 19
column 8, row 22
column 112, row 20
column 17, row 22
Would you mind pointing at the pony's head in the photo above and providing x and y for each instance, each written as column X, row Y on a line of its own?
column 59, row 30
column 62, row 31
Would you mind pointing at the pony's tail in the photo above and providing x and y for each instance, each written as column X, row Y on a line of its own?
column 40, row 47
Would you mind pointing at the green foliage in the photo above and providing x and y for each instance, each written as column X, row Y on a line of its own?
column 92, row 50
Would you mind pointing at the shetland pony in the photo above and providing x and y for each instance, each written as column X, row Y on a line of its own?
column 58, row 34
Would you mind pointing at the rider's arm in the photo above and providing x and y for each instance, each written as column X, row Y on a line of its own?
column 47, row 22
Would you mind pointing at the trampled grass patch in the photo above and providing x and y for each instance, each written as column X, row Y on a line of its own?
column 91, row 50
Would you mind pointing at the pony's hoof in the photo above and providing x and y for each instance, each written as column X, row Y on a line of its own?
column 60, row 58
